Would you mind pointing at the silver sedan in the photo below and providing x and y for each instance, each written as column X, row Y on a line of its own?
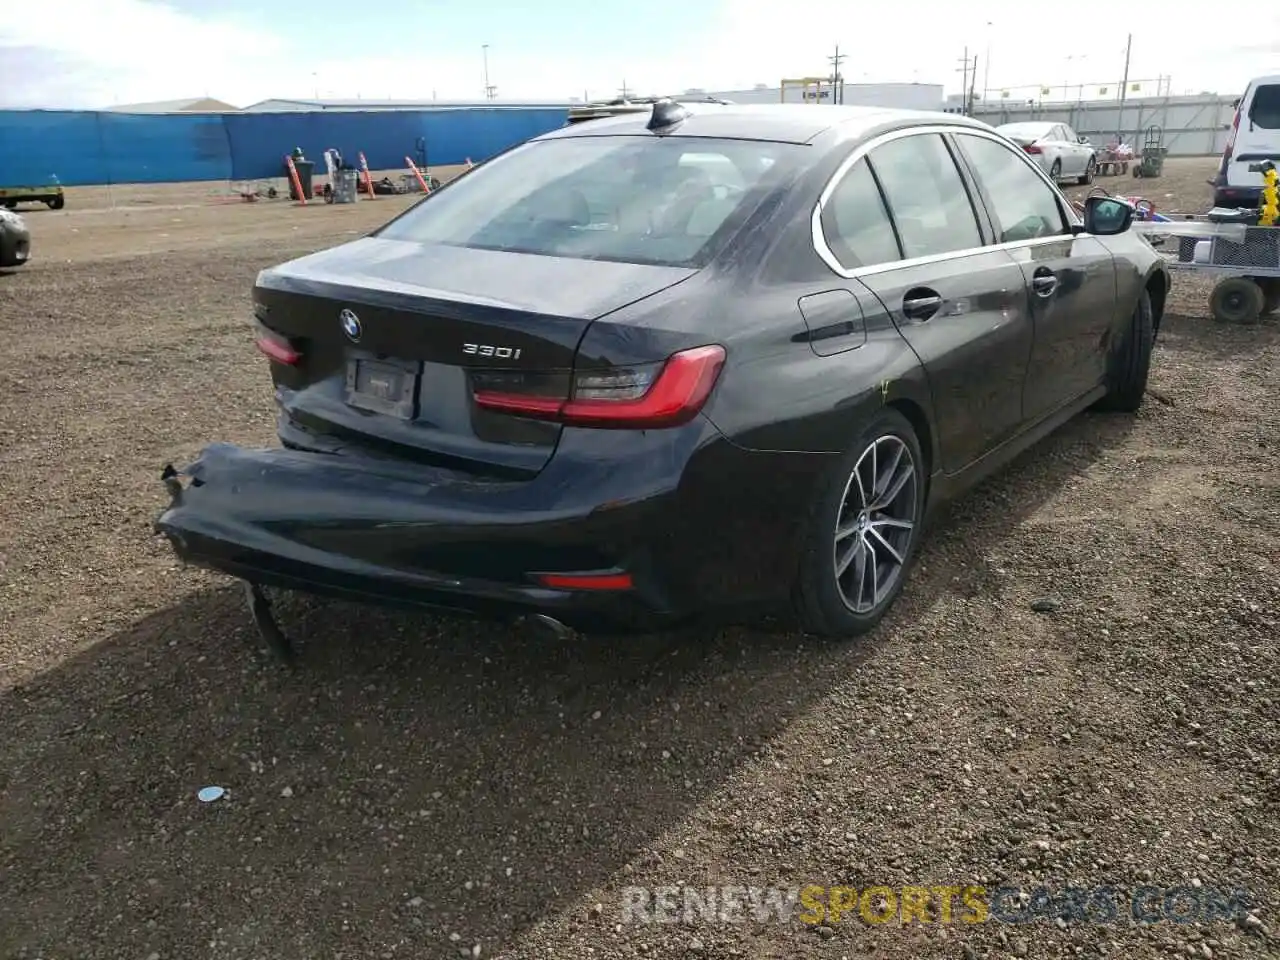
column 1056, row 148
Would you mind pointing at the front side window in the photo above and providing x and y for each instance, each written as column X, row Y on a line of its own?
column 927, row 198
column 856, row 223
column 636, row 199
column 1023, row 205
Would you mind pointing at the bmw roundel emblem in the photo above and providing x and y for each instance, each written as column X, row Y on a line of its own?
column 350, row 325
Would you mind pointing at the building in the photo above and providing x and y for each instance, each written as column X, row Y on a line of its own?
column 910, row 96
column 904, row 96
column 288, row 106
column 189, row 105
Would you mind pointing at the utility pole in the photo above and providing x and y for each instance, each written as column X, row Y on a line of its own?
column 837, row 81
column 964, row 84
column 489, row 90
column 986, row 75
column 1124, row 87
column 624, row 92
column 973, row 92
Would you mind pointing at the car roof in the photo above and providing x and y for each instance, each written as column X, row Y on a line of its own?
column 776, row 122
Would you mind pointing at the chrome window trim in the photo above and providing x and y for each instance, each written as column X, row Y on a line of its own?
column 824, row 251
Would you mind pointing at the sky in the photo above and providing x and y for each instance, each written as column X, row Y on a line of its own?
column 97, row 53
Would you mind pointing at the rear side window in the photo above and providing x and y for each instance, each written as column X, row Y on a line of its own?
column 856, row 223
column 634, row 199
column 926, row 196
column 1023, row 205
column 1264, row 109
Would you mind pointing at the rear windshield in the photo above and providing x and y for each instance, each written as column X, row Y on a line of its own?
column 1264, row 111
column 636, row 199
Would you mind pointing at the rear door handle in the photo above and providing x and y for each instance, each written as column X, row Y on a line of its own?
column 921, row 304
column 1044, row 284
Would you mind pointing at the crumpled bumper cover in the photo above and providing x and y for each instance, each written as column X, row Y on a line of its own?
column 408, row 535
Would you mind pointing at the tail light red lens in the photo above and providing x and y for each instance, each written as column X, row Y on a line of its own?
column 276, row 345
column 652, row 395
column 1032, row 148
column 586, row 581
column 1220, row 178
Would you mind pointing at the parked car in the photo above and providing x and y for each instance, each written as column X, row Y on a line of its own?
column 1059, row 151
column 15, row 240
column 597, row 383
column 1254, row 137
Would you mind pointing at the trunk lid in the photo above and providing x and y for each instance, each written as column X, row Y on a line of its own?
column 391, row 339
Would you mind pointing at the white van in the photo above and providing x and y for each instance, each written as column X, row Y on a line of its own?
column 1255, row 136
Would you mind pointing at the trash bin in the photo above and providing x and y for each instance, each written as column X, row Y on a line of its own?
column 344, row 185
column 304, row 168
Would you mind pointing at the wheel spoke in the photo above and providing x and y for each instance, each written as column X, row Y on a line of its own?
column 860, row 572
column 842, row 564
column 884, row 478
column 892, row 522
column 893, row 551
column 874, row 570
column 846, row 530
column 894, row 487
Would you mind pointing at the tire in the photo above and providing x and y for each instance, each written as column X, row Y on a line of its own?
column 1270, row 295
column 57, row 203
column 1091, row 168
column 1055, row 172
column 1237, row 300
column 1131, row 362
column 10, row 204
column 9, row 256
column 822, row 604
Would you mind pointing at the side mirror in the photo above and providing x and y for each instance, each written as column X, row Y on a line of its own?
column 1083, row 139
column 1106, row 216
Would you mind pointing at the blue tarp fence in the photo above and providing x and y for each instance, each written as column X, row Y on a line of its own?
column 83, row 148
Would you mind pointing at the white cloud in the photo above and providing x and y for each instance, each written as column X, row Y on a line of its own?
column 120, row 51
column 105, row 51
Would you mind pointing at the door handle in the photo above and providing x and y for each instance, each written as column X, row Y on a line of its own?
column 1044, row 284
column 921, row 304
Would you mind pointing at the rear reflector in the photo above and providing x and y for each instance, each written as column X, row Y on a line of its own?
column 585, row 581
column 276, row 346
column 654, row 395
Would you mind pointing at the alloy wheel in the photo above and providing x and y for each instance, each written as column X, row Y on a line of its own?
column 875, row 523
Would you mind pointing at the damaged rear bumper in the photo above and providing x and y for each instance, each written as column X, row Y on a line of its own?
column 377, row 531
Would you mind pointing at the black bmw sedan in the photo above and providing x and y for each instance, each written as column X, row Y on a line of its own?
column 705, row 359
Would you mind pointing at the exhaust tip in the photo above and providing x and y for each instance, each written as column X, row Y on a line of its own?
column 551, row 625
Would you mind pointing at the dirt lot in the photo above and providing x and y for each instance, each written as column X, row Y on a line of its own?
column 421, row 787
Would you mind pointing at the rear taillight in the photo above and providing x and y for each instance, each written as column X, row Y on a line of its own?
column 1032, row 148
column 653, row 395
column 586, row 581
column 276, row 345
column 1221, row 179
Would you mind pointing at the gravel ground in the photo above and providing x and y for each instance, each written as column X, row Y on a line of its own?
column 423, row 787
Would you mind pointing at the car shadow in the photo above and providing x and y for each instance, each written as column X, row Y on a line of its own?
column 1200, row 336
column 414, row 779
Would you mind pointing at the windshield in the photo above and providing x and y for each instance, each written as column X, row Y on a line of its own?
column 635, row 199
column 1028, row 131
